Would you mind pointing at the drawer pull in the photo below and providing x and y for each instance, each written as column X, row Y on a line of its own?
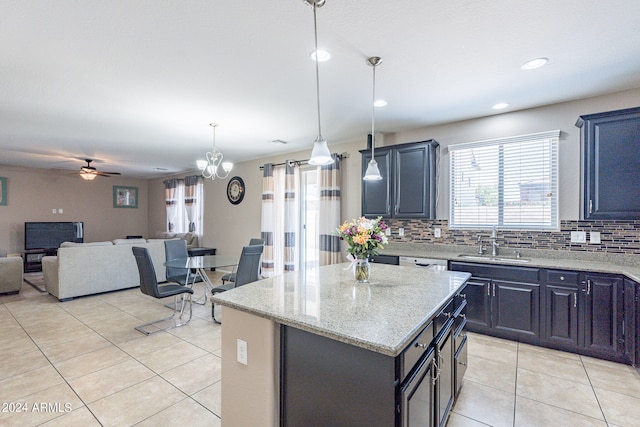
column 462, row 363
column 463, row 295
column 562, row 278
column 422, row 345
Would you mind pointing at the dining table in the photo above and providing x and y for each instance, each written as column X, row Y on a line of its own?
column 200, row 265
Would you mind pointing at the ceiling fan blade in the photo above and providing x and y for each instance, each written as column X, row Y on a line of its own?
column 107, row 173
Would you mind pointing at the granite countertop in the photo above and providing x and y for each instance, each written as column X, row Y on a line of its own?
column 628, row 265
column 383, row 315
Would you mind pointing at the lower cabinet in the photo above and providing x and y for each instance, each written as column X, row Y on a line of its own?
column 498, row 303
column 588, row 313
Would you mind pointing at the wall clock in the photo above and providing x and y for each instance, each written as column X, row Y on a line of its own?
column 235, row 190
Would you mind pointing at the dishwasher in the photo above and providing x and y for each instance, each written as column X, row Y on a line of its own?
column 430, row 263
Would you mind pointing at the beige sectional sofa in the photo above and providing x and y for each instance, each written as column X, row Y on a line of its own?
column 90, row 268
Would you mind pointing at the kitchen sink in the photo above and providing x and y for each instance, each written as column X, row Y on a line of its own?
column 494, row 258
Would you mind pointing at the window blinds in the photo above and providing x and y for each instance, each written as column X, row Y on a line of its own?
column 511, row 182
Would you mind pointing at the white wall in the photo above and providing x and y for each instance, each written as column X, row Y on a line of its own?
column 228, row 227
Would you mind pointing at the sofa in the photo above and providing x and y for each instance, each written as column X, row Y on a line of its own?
column 10, row 275
column 191, row 238
column 89, row 268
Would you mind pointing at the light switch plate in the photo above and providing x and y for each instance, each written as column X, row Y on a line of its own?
column 242, row 352
column 60, row 211
column 578, row 237
column 388, row 231
column 400, row 231
column 594, row 237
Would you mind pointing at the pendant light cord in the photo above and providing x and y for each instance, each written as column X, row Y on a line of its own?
column 373, row 114
column 315, row 29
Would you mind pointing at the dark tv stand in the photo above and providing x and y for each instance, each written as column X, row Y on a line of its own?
column 33, row 259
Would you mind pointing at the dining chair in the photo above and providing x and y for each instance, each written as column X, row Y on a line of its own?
column 149, row 286
column 174, row 249
column 246, row 272
column 231, row 277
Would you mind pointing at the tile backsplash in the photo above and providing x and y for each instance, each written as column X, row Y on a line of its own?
column 615, row 236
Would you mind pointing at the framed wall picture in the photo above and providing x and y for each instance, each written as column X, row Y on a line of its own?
column 3, row 191
column 125, row 197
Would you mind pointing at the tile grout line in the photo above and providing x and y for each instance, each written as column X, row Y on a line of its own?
column 604, row 417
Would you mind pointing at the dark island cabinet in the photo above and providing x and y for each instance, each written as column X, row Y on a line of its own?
column 408, row 185
column 353, row 386
column 611, row 164
column 631, row 321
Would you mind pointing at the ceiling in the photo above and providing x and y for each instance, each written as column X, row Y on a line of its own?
column 134, row 84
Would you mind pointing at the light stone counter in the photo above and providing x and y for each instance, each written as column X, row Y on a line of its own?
column 383, row 315
column 628, row 265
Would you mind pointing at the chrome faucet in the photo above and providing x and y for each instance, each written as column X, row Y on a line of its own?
column 481, row 247
column 494, row 242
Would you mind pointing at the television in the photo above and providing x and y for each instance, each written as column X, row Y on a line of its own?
column 49, row 235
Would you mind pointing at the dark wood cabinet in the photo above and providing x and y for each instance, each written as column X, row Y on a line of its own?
column 349, row 385
column 516, row 308
column 561, row 315
column 561, row 294
column 611, row 164
column 478, row 303
column 630, row 325
column 502, row 300
column 408, row 185
column 603, row 314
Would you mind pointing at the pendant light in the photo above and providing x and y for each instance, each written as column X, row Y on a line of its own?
column 320, row 155
column 373, row 172
column 211, row 166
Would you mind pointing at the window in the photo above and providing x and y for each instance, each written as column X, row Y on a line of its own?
column 511, row 182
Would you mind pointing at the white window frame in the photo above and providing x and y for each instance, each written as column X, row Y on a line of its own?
column 505, row 213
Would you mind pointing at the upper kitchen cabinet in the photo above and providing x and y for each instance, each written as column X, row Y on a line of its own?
column 408, row 185
column 611, row 164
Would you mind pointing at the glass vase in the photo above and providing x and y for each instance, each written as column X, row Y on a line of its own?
column 361, row 270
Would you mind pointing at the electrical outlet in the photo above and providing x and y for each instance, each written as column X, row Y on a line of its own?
column 54, row 211
column 388, row 231
column 594, row 237
column 578, row 237
column 401, row 231
column 242, row 352
column 437, row 232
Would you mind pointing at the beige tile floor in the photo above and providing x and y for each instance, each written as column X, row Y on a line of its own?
column 82, row 363
column 513, row 384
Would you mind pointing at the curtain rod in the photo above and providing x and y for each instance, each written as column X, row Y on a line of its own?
column 306, row 161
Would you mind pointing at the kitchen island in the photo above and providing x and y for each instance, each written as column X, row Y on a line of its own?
column 315, row 348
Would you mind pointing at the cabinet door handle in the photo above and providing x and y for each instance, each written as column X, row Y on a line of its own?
column 590, row 206
column 575, row 299
column 588, row 287
column 435, row 372
column 494, row 289
column 489, row 290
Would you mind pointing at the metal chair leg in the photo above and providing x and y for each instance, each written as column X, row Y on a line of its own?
column 176, row 322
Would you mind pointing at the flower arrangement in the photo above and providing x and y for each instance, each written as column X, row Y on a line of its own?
column 364, row 236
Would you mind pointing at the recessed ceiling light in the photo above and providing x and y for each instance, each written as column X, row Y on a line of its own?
column 380, row 103
column 323, row 55
column 534, row 63
column 500, row 106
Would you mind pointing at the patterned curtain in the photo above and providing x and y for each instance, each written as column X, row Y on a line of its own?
column 329, row 207
column 193, row 198
column 268, row 221
column 280, row 218
column 291, row 215
column 171, row 202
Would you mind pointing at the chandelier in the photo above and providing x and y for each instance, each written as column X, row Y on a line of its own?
column 373, row 172
column 320, row 155
column 211, row 166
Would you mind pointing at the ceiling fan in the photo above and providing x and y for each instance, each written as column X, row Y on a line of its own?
column 89, row 173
